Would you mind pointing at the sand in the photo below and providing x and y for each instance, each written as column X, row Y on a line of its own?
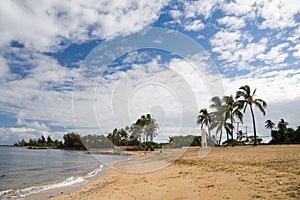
column 245, row 172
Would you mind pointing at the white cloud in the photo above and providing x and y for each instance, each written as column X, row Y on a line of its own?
column 224, row 41
column 295, row 36
column 175, row 14
column 297, row 51
column 44, row 26
column 195, row 25
column 205, row 8
column 278, row 13
column 239, row 8
column 45, row 93
column 10, row 135
column 276, row 54
column 4, row 68
column 177, row 88
column 233, row 23
column 275, row 14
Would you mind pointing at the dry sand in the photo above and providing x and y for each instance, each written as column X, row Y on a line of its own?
column 262, row 172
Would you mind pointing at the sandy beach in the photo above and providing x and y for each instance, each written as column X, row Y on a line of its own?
column 245, row 172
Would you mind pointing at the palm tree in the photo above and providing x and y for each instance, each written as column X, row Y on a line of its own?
column 282, row 126
column 231, row 111
column 136, row 130
column 218, row 116
column 150, row 127
column 269, row 125
column 204, row 118
column 247, row 98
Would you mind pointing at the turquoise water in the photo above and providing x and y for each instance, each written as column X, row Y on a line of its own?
column 24, row 171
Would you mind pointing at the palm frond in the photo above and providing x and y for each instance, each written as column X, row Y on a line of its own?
column 260, row 107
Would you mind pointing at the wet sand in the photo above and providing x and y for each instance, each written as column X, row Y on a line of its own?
column 247, row 172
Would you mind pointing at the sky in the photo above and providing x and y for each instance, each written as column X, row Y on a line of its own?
column 91, row 66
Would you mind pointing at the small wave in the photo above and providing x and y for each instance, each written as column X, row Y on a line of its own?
column 8, row 194
column 4, row 192
column 32, row 190
column 94, row 172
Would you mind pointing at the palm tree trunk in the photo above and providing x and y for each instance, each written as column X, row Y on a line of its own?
column 209, row 132
column 227, row 138
column 220, row 137
column 254, row 127
column 232, row 129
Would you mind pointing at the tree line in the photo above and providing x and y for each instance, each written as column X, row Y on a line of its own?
column 226, row 110
column 139, row 134
column 41, row 142
column 282, row 134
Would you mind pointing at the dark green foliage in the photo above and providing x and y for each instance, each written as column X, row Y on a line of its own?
column 186, row 141
column 251, row 139
column 284, row 134
column 73, row 141
column 96, row 142
column 41, row 142
column 180, row 141
column 138, row 134
column 232, row 142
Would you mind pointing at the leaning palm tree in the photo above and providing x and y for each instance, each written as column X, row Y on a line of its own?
column 269, row 125
column 231, row 111
column 245, row 98
column 204, row 118
column 218, row 116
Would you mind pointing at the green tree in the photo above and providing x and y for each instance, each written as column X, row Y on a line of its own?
column 73, row 141
column 218, row 116
column 282, row 131
column 282, row 125
column 245, row 99
column 150, row 127
column 269, row 125
column 49, row 140
column 136, row 130
column 205, row 118
column 232, row 109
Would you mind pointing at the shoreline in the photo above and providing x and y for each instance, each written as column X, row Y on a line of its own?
column 59, row 187
column 262, row 172
column 67, row 189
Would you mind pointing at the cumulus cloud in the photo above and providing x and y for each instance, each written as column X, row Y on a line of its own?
column 44, row 93
column 195, row 25
column 275, row 55
column 239, row 8
column 275, row 14
column 44, row 26
column 233, row 23
column 205, row 8
column 278, row 14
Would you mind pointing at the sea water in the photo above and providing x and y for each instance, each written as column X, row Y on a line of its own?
column 25, row 171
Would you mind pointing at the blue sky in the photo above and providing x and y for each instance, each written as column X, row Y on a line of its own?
column 45, row 88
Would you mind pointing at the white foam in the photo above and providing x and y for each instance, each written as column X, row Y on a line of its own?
column 94, row 172
column 5, row 192
column 14, row 193
column 37, row 189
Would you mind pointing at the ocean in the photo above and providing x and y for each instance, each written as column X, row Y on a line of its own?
column 25, row 171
